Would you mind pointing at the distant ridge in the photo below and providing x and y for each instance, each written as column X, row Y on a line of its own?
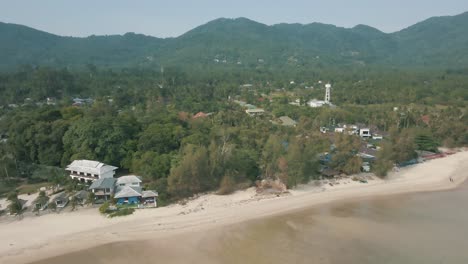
column 244, row 43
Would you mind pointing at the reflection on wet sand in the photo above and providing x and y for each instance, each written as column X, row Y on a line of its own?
column 415, row 228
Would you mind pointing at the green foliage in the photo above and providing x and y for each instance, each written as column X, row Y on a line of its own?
column 272, row 151
column 385, row 161
column 344, row 156
column 151, row 164
column 73, row 203
column 90, row 199
column 227, row 185
column 229, row 41
column 426, row 142
column 302, row 161
column 12, row 196
column 15, row 207
column 192, row 175
column 104, row 208
column 52, row 206
column 141, row 120
column 403, row 146
column 122, row 212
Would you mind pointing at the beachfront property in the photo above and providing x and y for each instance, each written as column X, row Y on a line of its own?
column 60, row 200
column 128, row 190
column 125, row 189
column 128, row 195
column 129, row 180
column 103, row 188
column 80, row 197
column 89, row 170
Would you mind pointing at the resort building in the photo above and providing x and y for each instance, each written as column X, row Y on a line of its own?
column 80, row 197
column 89, row 170
column 103, row 188
column 128, row 190
column 130, row 180
column 128, row 194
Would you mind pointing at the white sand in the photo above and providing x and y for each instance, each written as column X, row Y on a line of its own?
column 34, row 238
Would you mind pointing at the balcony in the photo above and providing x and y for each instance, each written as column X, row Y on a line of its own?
column 102, row 192
column 86, row 177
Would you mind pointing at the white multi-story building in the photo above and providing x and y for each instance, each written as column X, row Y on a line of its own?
column 90, row 170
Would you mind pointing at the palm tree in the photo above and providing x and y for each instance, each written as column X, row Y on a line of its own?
column 73, row 202
column 16, row 207
column 90, row 199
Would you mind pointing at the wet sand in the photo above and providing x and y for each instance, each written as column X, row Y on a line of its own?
column 185, row 232
column 408, row 228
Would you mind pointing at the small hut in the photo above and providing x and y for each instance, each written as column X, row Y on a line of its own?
column 149, row 198
column 61, row 200
column 81, row 197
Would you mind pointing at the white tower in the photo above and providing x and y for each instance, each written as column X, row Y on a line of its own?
column 327, row 93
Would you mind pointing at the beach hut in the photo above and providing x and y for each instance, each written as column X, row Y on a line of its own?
column 149, row 198
column 81, row 197
column 61, row 200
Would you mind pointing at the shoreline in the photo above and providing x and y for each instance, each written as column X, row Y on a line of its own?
column 36, row 238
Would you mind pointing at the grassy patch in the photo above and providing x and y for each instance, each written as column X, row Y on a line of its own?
column 112, row 211
column 124, row 206
column 31, row 188
column 7, row 187
column 122, row 212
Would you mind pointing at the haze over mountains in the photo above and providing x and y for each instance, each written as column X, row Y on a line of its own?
column 438, row 42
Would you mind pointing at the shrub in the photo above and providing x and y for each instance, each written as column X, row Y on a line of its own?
column 104, row 209
column 52, row 206
column 15, row 207
column 227, row 186
column 12, row 196
column 382, row 167
column 122, row 212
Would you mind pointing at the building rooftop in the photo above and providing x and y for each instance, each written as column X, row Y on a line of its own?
column 90, row 166
column 147, row 194
column 60, row 197
column 103, row 183
column 128, row 191
column 256, row 110
column 129, row 179
column 287, row 121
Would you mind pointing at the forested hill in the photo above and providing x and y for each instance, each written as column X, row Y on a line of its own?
column 243, row 43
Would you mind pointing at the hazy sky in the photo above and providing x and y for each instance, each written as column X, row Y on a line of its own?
column 174, row 17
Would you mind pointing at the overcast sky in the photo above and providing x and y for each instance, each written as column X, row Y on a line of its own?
column 171, row 18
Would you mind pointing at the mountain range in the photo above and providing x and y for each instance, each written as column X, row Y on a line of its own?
column 438, row 42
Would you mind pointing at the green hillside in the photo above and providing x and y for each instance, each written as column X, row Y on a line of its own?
column 243, row 43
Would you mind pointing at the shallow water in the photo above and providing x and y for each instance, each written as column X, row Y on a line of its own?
column 414, row 228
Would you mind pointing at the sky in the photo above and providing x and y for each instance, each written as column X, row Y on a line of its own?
column 171, row 18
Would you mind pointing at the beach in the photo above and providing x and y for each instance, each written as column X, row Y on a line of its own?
column 35, row 238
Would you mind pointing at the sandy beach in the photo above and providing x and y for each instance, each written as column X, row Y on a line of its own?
column 35, row 238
